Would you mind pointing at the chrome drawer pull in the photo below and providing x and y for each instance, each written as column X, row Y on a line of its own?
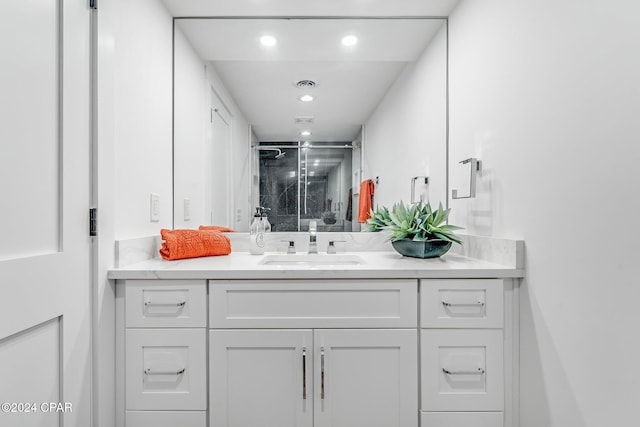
column 468, row 304
column 171, row 304
column 322, row 373
column 149, row 372
column 304, row 373
column 480, row 371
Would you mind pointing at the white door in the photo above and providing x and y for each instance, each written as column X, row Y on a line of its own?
column 45, row 294
column 366, row 378
column 261, row 378
column 218, row 165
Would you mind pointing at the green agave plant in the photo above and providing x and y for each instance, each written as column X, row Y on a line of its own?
column 418, row 222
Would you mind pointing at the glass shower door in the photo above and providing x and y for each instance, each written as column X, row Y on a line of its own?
column 279, row 187
column 304, row 184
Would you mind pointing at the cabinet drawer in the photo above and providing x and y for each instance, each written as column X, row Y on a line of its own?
column 166, row 304
column 313, row 304
column 166, row 369
column 166, row 418
column 471, row 303
column 462, row 370
column 461, row 419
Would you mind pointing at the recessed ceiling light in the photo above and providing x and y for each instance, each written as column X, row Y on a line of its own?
column 306, row 98
column 349, row 40
column 268, row 41
column 305, row 133
column 316, row 163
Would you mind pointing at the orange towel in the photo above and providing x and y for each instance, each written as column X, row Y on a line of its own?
column 367, row 188
column 216, row 228
column 180, row 244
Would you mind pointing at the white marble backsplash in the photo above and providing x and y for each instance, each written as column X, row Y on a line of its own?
column 131, row 251
column 344, row 242
column 505, row 252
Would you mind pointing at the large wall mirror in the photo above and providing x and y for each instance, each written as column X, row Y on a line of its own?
column 294, row 113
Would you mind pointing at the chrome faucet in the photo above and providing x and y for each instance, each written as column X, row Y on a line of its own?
column 313, row 228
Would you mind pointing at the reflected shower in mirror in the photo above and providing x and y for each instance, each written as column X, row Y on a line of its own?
column 296, row 124
column 303, row 182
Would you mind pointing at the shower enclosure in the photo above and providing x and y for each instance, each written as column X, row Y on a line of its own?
column 300, row 182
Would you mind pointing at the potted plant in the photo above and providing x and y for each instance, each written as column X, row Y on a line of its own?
column 329, row 217
column 416, row 230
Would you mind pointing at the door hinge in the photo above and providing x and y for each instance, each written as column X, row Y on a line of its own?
column 93, row 222
column 93, row 4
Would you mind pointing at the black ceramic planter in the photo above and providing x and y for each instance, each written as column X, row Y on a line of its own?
column 425, row 249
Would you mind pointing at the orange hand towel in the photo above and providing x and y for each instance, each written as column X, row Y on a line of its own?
column 367, row 188
column 180, row 244
column 216, row 228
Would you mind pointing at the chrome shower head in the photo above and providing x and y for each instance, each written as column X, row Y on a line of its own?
column 278, row 156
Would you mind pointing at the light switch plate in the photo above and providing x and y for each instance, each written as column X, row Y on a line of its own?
column 187, row 209
column 154, row 207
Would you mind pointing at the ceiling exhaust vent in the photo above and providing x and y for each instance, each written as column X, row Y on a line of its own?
column 306, row 84
column 303, row 120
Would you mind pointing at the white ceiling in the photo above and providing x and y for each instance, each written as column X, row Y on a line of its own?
column 351, row 82
column 310, row 7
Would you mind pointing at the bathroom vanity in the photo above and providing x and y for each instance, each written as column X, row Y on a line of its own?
column 384, row 341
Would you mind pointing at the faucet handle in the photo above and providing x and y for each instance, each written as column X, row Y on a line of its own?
column 331, row 249
column 291, row 249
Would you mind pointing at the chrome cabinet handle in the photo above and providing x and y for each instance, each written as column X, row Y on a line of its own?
column 304, row 373
column 170, row 304
column 322, row 373
column 462, row 304
column 480, row 371
column 148, row 371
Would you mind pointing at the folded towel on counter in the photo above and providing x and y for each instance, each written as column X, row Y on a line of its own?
column 180, row 244
column 216, row 228
column 367, row 188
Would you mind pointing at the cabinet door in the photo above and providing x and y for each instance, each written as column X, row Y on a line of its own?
column 166, row 418
column 261, row 378
column 166, row 369
column 166, row 304
column 366, row 378
column 462, row 303
column 462, row 370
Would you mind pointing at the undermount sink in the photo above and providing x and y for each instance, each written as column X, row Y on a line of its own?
column 312, row 260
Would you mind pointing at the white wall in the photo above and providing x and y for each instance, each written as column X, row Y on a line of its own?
column 546, row 93
column 406, row 134
column 142, row 116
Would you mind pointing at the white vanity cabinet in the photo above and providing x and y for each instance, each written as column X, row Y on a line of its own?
column 162, row 354
column 363, row 375
column 465, row 344
column 335, row 352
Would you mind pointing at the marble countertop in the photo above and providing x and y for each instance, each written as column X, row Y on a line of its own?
column 242, row 265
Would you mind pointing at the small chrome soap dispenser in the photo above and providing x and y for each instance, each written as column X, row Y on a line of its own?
column 256, row 234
